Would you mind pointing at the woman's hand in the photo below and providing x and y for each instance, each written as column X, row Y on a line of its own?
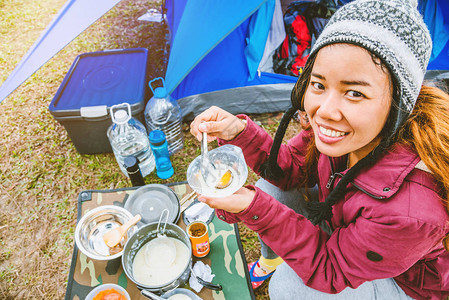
column 237, row 202
column 217, row 123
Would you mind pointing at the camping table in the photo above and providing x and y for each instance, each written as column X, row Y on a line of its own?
column 226, row 256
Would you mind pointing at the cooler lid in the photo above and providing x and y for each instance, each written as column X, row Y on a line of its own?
column 104, row 78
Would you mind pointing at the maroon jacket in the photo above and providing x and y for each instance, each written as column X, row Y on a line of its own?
column 390, row 224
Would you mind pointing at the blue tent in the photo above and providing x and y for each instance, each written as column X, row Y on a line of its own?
column 217, row 63
column 73, row 18
column 436, row 17
column 216, row 50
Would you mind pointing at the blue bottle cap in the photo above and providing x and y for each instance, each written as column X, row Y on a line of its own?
column 160, row 92
column 157, row 137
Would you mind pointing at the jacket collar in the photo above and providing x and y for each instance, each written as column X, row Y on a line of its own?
column 383, row 179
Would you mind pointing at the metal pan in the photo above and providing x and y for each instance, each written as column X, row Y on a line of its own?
column 150, row 200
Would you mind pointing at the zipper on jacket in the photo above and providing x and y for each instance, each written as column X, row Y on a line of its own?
column 331, row 179
column 366, row 192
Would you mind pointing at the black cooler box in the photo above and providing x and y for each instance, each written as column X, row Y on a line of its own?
column 94, row 83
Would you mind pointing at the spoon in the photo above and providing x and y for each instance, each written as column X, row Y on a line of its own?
column 206, row 164
column 204, row 150
column 225, row 179
column 114, row 236
column 161, row 252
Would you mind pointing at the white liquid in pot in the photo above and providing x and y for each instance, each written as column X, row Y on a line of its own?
column 160, row 261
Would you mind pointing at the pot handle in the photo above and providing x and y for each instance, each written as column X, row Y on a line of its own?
column 150, row 295
column 207, row 284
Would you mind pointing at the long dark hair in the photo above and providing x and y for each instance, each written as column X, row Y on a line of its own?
column 270, row 168
column 319, row 211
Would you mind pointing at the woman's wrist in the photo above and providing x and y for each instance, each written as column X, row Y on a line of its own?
column 247, row 199
column 241, row 127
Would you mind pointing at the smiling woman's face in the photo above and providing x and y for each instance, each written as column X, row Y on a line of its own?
column 348, row 101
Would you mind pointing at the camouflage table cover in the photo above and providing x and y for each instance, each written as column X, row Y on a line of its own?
column 226, row 257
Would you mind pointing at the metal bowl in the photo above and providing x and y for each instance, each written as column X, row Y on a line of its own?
column 94, row 224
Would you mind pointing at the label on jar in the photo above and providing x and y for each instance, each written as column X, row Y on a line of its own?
column 202, row 248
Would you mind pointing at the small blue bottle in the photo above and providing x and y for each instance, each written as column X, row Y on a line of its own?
column 158, row 143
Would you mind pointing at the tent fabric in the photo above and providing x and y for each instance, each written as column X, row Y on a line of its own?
column 226, row 65
column 74, row 17
column 275, row 38
column 259, row 28
column 222, row 76
column 203, row 25
column 224, row 27
column 255, row 99
column 436, row 17
column 174, row 10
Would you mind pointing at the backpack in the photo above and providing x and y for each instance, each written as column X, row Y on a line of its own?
column 304, row 21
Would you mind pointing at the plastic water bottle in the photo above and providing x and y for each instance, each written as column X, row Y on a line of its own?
column 164, row 168
column 162, row 112
column 128, row 137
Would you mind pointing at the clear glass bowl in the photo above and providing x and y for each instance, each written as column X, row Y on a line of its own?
column 224, row 158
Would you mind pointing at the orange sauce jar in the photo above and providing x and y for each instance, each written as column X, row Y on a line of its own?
column 198, row 233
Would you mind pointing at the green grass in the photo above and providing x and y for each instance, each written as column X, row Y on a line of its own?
column 41, row 173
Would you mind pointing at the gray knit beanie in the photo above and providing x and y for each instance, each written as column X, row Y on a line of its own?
column 393, row 30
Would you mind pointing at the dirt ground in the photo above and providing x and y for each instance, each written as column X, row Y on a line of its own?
column 41, row 173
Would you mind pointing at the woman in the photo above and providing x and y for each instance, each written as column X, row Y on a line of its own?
column 378, row 156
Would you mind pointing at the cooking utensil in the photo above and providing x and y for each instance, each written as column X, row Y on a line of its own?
column 114, row 236
column 151, row 295
column 150, row 200
column 144, row 235
column 159, row 232
column 94, row 224
column 187, row 200
column 169, row 246
column 206, row 164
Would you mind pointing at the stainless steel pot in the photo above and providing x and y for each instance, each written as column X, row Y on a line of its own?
column 143, row 236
